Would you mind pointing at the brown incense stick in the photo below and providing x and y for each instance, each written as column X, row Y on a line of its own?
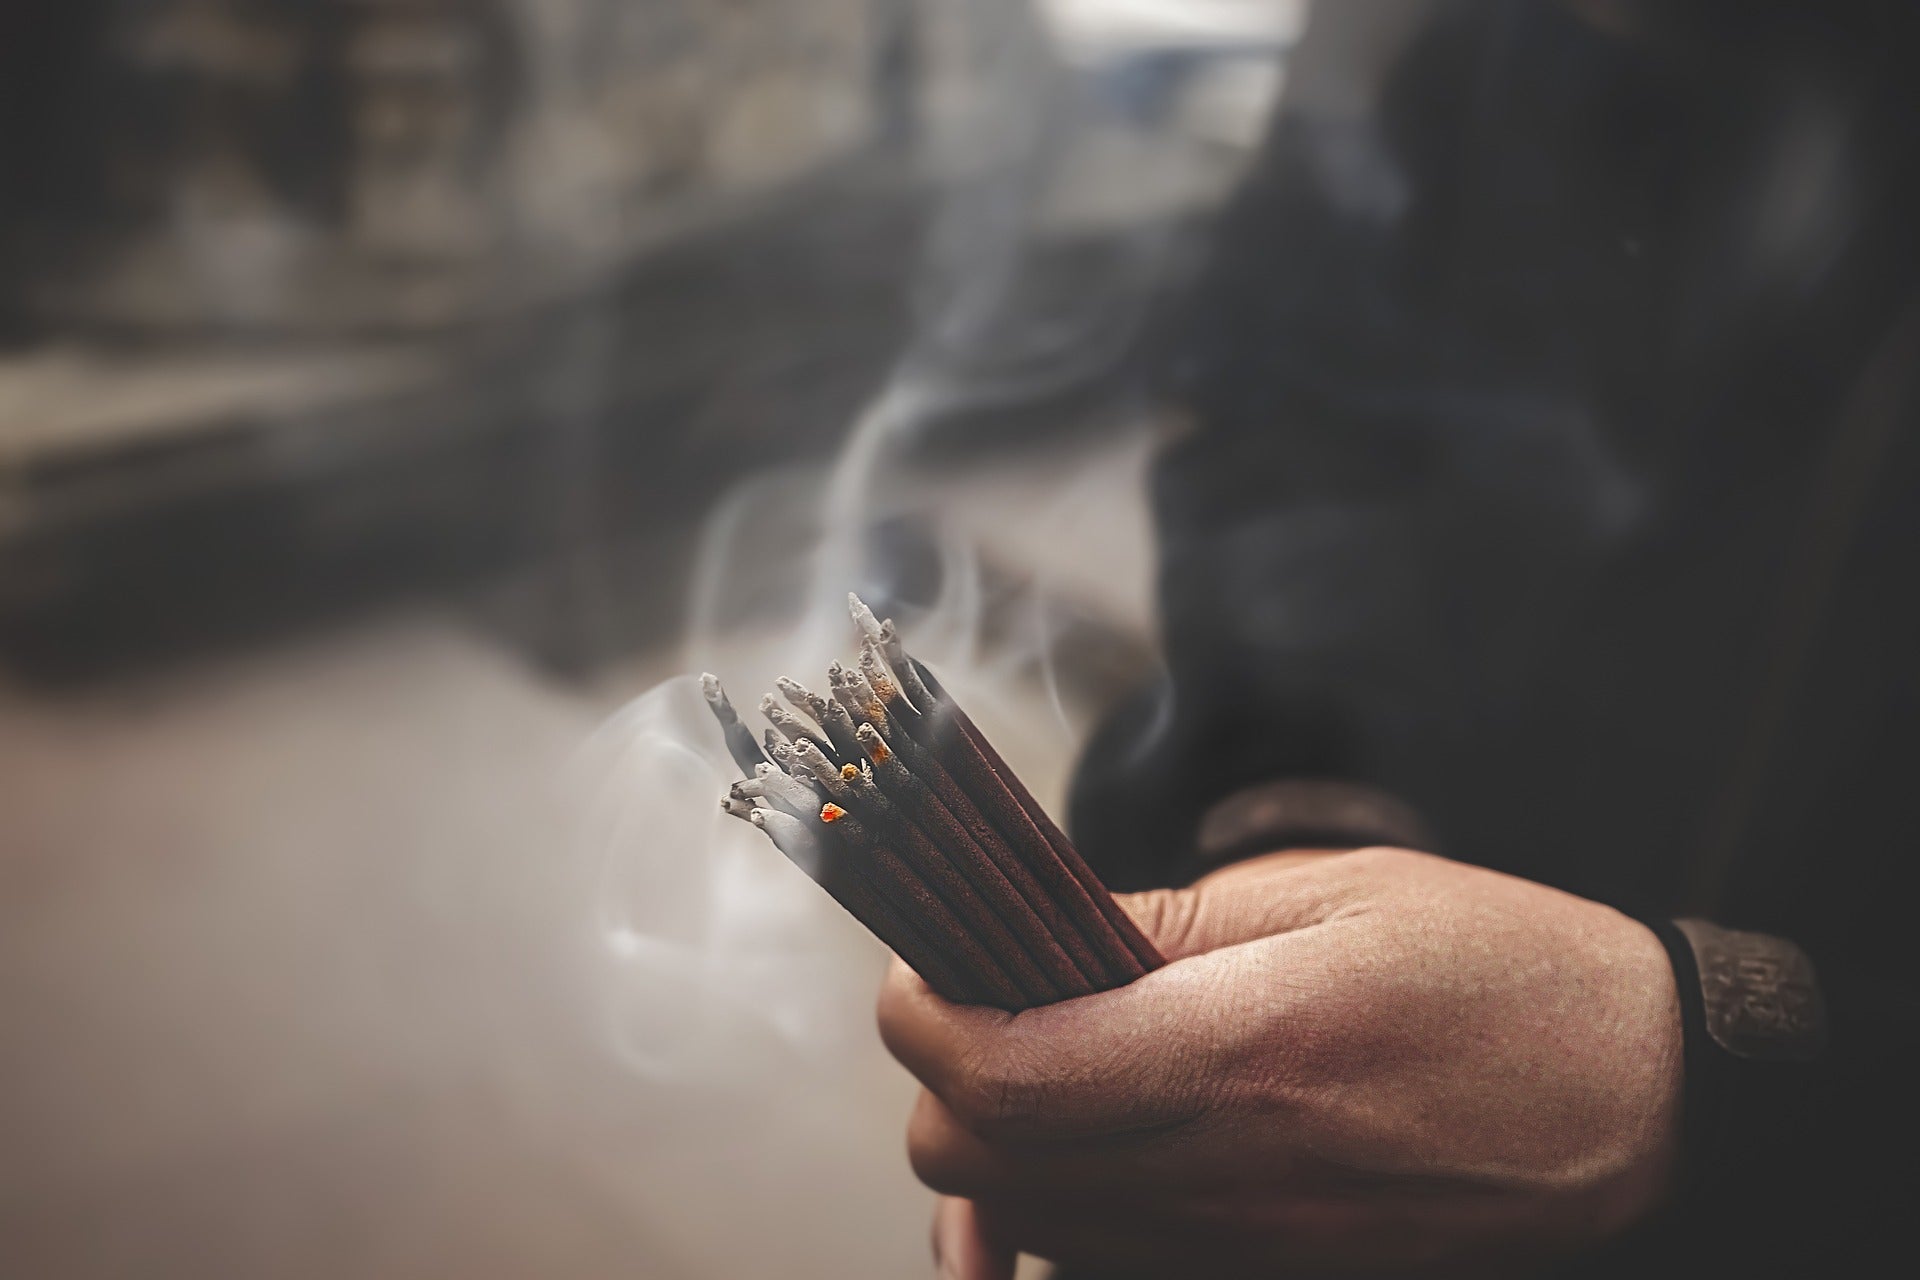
column 905, row 885
column 941, row 733
column 921, row 809
column 1080, row 941
column 984, row 765
column 980, row 912
column 864, row 903
column 891, row 798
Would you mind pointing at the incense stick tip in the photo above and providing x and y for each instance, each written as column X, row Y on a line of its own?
column 875, row 745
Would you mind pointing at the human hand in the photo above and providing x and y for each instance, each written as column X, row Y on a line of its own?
column 1369, row 1061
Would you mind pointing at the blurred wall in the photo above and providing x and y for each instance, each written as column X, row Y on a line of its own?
column 309, row 306
column 353, row 163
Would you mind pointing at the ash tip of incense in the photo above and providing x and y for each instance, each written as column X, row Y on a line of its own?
column 798, row 694
column 876, row 746
column 879, row 630
column 710, row 688
column 848, row 772
column 764, row 770
column 862, row 616
column 758, row 818
column 814, row 759
column 874, row 667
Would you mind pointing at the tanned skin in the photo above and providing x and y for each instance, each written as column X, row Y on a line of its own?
column 1375, row 1061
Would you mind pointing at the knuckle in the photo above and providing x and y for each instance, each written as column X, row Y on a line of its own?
column 1390, row 859
column 1169, row 916
column 996, row 1098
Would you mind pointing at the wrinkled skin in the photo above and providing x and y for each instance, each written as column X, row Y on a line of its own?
column 1377, row 1061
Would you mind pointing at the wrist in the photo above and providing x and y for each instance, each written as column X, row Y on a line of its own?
column 1643, row 1178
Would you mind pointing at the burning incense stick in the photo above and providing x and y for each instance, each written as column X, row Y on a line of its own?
column 789, row 725
column 922, row 767
column 990, row 875
column 740, row 741
column 864, row 903
column 898, row 806
column 979, row 755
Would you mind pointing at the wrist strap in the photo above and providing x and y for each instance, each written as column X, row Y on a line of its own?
column 1754, row 1029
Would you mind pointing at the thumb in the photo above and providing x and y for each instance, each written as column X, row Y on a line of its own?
column 1248, row 900
column 960, row 1248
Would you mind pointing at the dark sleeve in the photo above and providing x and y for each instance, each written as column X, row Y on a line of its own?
column 1397, row 473
column 1498, row 483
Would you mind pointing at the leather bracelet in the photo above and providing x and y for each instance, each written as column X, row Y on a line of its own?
column 1754, row 1029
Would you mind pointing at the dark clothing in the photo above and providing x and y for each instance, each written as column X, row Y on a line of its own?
column 1555, row 466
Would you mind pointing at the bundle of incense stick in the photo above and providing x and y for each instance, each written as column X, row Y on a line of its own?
column 893, row 801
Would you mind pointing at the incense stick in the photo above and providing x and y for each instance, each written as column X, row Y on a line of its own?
column 921, row 812
column 740, row 741
column 996, row 779
column 858, row 896
column 899, row 807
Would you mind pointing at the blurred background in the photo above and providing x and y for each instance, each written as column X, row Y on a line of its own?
column 390, row 391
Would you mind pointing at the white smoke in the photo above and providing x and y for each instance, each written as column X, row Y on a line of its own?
column 723, row 966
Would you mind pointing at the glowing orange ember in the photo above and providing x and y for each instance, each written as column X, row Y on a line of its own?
column 831, row 812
